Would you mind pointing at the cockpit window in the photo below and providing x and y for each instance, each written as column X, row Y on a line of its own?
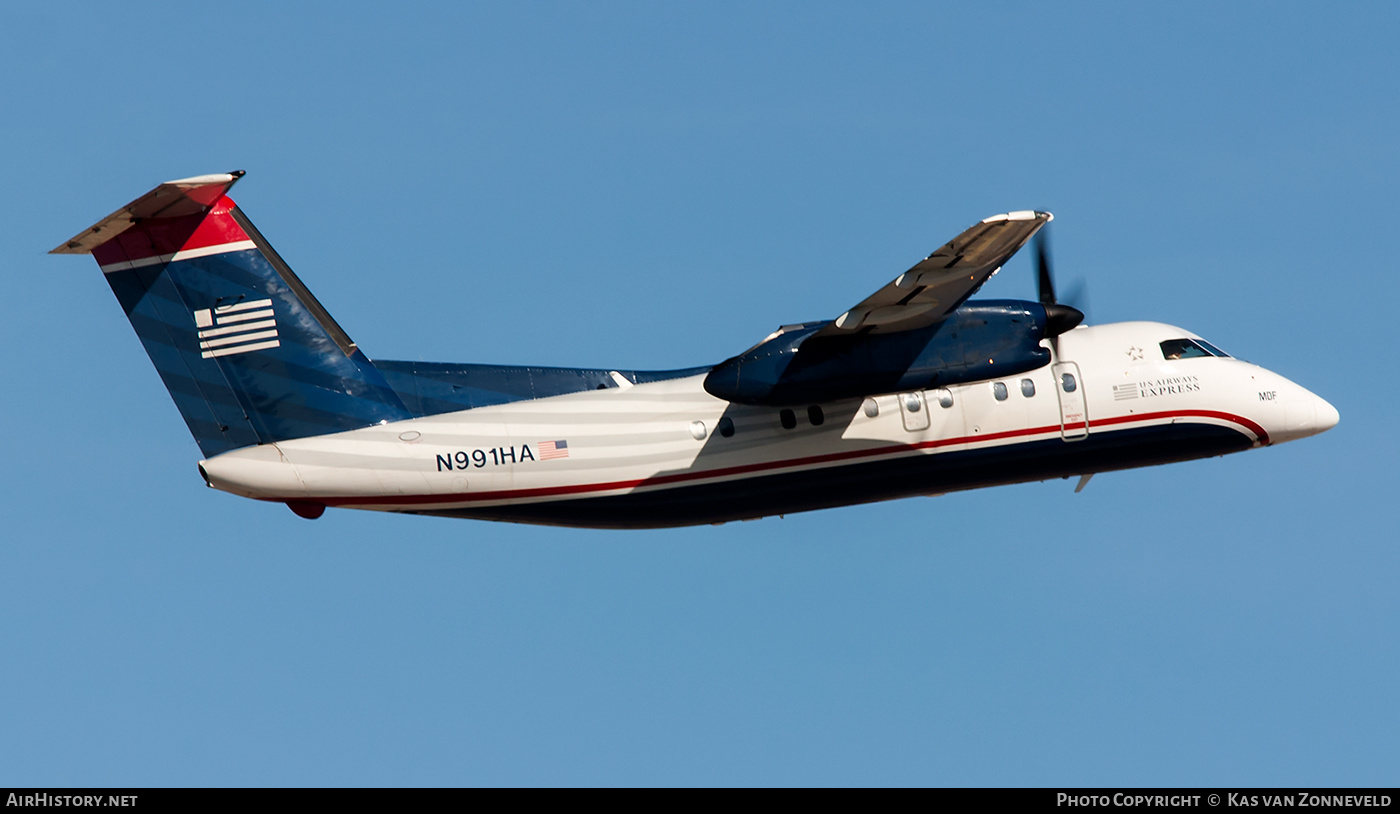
column 1184, row 349
column 1213, row 349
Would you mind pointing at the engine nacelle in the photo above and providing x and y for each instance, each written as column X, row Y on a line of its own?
column 980, row 340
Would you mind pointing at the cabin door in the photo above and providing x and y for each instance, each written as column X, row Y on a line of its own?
column 1074, row 419
column 913, row 408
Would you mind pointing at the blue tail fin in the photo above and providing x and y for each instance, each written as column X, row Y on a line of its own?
column 248, row 354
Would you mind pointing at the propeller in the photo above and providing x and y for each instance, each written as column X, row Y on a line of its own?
column 1058, row 318
column 1078, row 296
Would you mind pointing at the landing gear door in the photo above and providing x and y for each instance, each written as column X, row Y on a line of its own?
column 1074, row 419
column 914, row 410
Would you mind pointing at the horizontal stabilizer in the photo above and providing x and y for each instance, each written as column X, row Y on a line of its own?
column 172, row 199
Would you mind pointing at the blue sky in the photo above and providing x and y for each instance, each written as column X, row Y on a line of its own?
column 650, row 186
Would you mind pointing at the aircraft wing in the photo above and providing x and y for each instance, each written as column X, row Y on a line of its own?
column 941, row 282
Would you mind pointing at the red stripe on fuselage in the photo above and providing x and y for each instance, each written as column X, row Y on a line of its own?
column 681, row 477
column 1259, row 432
column 154, row 237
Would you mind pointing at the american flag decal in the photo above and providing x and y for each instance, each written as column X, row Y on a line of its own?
column 553, row 449
column 237, row 328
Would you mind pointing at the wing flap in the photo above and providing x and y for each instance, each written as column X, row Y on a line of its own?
column 941, row 282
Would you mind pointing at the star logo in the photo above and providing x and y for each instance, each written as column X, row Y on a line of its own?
column 1135, row 353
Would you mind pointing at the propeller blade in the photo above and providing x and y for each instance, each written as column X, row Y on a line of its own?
column 1078, row 295
column 1058, row 318
column 1045, row 285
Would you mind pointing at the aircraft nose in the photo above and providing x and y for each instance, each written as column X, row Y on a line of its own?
column 1325, row 416
column 1304, row 414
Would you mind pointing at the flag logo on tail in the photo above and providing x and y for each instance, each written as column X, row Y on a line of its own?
column 553, row 449
column 237, row 328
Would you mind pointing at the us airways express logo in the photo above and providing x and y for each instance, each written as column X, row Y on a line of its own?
column 238, row 328
column 1158, row 387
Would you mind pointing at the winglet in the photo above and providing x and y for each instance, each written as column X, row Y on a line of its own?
column 172, row 199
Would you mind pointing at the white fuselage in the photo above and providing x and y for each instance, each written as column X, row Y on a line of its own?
column 653, row 454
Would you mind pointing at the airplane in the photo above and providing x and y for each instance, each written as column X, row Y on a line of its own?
column 915, row 390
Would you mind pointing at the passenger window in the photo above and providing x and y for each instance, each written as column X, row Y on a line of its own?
column 999, row 390
column 911, row 403
column 815, row 415
column 1068, row 383
column 1173, row 349
column 1027, row 388
column 871, row 408
column 787, row 418
column 945, row 398
column 726, row 427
